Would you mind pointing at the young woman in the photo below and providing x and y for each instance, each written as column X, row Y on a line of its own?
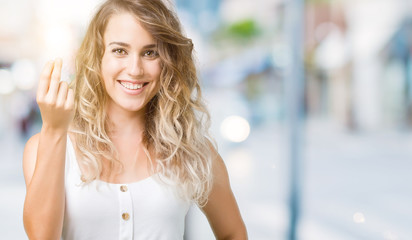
column 124, row 150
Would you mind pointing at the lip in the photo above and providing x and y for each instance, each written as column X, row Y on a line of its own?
column 133, row 91
column 134, row 82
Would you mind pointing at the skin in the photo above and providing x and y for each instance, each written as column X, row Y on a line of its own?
column 43, row 167
column 130, row 55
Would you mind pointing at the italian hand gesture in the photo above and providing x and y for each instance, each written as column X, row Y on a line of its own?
column 55, row 99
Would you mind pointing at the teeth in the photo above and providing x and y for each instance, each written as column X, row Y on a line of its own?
column 132, row 86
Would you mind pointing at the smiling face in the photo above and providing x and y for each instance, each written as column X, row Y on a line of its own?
column 130, row 64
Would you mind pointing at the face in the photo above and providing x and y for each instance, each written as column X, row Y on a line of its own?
column 130, row 64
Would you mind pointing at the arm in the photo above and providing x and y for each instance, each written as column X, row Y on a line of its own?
column 44, row 158
column 221, row 210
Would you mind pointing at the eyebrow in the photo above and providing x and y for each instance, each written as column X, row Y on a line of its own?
column 123, row 44
column 120, row 44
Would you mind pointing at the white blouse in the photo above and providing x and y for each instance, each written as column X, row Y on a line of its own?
column 146, row 209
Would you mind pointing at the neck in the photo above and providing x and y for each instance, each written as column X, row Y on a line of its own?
column 125, row 123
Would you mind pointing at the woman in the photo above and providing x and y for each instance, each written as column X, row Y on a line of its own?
column 124, row 150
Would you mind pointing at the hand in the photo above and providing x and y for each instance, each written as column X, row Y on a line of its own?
column 55, row 99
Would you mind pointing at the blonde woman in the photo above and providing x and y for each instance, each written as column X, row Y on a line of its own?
column 124, row 150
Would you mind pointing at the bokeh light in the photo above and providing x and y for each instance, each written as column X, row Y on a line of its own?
column 235, row 129
column 359, row 217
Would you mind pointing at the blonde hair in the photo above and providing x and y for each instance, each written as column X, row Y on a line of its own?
column 177, row 121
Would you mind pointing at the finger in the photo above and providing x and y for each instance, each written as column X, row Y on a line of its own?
column 69, row 99
column 62, row 94
column 45, row 78
column 57, row 70
column 55, row 79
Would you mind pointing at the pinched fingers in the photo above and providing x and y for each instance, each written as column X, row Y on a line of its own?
column 54, row 98
column 53, row 93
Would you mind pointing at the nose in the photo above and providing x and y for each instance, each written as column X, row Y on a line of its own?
column 135, row 67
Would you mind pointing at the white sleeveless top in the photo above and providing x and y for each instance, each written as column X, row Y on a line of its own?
column 146, row 209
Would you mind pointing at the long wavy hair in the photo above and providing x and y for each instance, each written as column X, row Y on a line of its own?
column 176, row 121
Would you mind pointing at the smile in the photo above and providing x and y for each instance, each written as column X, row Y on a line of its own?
column 132, row 86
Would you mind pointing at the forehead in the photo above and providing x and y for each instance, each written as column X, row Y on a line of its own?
column 124, row 27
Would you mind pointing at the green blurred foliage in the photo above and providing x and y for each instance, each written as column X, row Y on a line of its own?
column 242, row 32
column 243, row 29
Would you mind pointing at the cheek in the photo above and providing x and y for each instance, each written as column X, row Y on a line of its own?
column 154, row 69
column 108, row 70
column 110, row 67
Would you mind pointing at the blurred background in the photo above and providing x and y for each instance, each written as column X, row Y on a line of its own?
column 311, row 104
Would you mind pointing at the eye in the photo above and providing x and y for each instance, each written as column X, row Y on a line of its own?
column 151, row 53
column 119, row 51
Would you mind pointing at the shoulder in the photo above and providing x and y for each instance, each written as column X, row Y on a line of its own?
column 219, row 169
column 221, row 209
column 30, row 156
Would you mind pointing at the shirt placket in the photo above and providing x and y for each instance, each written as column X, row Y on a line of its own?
column 126, row 213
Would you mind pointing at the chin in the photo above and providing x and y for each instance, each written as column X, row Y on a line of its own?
column 133, row 109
